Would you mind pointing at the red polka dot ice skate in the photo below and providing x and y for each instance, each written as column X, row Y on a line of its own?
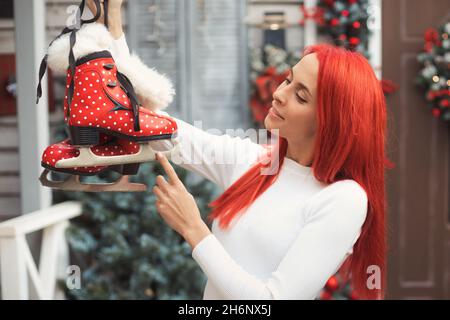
column 101, row 104
column 104, row 102
column 112, row 147
column 109, row 129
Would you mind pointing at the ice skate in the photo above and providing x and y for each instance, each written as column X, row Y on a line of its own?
column 112, row 147
column 101, row 101
column 104, row 101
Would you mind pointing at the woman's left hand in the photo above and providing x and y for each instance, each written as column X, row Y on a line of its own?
column 177, row 206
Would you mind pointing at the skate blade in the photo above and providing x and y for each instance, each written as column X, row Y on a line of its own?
column 73, row 183
column 87, row 158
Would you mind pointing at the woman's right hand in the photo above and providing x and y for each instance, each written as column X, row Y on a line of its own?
column 91, row 5
column 114, row 15
column 113, row 5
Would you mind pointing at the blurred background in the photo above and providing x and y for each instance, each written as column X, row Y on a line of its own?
column 225, row 57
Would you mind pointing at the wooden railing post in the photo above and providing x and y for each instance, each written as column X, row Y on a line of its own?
column 16, row 261
column 13, row 269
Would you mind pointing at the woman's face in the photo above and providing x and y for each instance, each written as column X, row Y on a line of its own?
column 293, row 110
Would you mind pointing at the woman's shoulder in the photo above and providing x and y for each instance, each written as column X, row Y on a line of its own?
column 340, row 198
column 347, row 186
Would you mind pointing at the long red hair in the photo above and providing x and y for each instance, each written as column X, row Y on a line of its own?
column 350, row 144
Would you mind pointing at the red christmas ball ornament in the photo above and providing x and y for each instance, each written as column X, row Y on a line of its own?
column 445, row 103
column 325, row 295
column 354, row 41
column 356, row 25
column 436, row 112
column 332, row 284
column 345, row 13
column 334, row 22
column 352, row 1
column 353, row 295
column 343, row 37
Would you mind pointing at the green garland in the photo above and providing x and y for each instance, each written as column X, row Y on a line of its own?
column 345, row 21
column 434, row 77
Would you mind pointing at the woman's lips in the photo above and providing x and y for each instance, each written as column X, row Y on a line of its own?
column 274, row 113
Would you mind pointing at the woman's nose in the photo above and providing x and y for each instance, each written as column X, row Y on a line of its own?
column 279, row 97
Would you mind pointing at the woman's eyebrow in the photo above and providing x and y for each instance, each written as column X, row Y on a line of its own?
column 299, row 85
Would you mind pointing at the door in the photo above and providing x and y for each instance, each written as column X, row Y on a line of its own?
column 418, row 188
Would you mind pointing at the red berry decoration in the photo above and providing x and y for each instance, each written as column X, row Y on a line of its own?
column 345, row 13
column 445, row 103
column 334, row 22
column 332, row 284
column 354, row 41
column 353, row 295
column 436, row 112
column 356, row 25
column 325, row 295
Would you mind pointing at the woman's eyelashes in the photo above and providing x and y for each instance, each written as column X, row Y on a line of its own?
column 299, row 99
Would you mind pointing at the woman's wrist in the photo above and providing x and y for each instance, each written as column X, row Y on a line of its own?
column 115, row 22
column 194, row 235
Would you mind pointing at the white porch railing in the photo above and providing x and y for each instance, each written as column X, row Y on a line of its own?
column 17, row 265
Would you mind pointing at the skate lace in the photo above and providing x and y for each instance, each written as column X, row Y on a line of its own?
column 124, row 81
column 129, row 90
column 79, row 22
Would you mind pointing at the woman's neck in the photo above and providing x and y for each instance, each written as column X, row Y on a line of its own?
column 301, row 153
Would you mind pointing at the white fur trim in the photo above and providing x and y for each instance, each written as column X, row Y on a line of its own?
column 155, row 90
column 92, row 37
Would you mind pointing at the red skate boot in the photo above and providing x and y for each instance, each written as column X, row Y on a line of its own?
column 104, row 102
column 108, row 146
column 101, row 99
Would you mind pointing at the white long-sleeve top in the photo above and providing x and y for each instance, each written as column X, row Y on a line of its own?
column 289, row 241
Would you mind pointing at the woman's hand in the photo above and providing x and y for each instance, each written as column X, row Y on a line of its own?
column 177, row 206
column 112, row 5
column 114, row 15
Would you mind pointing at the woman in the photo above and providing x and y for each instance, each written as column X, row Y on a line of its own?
column 282, row 235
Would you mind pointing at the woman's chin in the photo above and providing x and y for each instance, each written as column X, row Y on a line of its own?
column 272, row 128
column 267, row 123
